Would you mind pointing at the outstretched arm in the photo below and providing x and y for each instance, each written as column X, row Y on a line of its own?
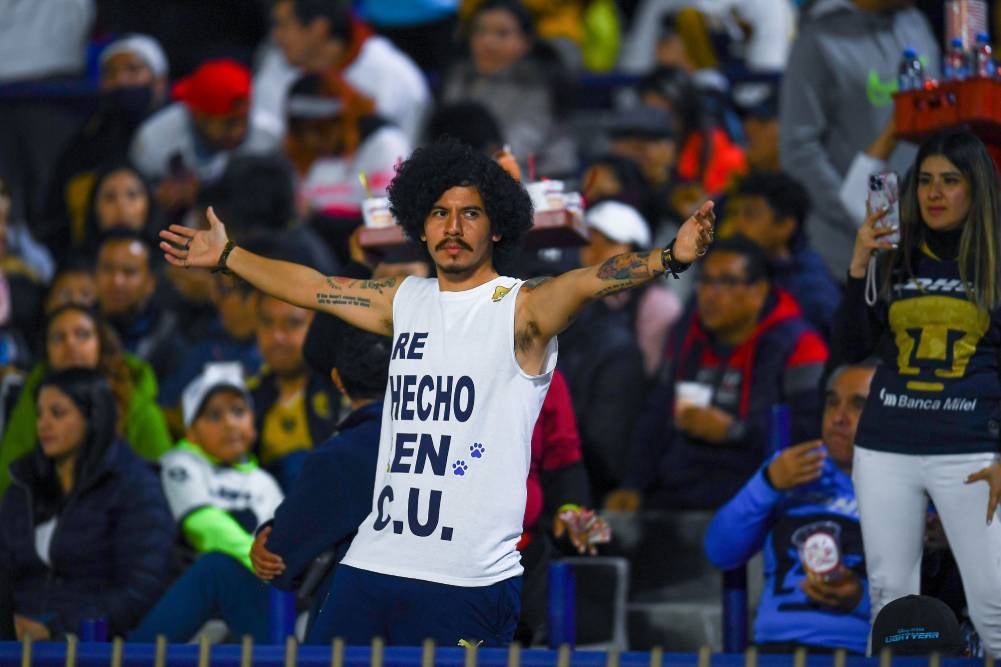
column 366, row 304
column 546, row 308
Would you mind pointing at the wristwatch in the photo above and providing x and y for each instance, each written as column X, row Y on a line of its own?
column 671, row 265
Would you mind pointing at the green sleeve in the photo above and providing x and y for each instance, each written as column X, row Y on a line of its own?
column 19, row 435
column 146, row 429
column 212, row 529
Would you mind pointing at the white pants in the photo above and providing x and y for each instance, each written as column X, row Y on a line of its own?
column 891, row 489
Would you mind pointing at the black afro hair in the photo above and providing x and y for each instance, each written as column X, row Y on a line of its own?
column 445, row 164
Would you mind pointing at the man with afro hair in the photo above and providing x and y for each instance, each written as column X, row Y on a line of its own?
column 473, row 352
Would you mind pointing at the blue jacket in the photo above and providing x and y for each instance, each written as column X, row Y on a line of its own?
column 330, row 498
column 214, row 344
column 110, row 548
column 808, row 279
column 760, row 517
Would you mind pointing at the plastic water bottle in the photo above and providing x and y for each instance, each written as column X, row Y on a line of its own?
column 956, row 66
column 911, row 72
column 983, row 58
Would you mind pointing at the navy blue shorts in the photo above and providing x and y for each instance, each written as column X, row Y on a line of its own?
column 404, row 612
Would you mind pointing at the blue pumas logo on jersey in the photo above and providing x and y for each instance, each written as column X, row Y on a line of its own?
column 476, row 450
column 911, row 634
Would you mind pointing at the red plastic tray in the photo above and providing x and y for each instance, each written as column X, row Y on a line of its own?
column 974, row 102
column 552, row 229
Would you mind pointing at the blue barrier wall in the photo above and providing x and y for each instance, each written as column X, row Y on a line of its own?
column 93, row 654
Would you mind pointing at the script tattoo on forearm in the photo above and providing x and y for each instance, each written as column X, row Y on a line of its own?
column 342, row 300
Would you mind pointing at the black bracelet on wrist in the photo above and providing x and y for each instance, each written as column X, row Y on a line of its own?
column 671, row 265
column 221, row 264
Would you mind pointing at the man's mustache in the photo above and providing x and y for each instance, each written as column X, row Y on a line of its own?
column 459, row 242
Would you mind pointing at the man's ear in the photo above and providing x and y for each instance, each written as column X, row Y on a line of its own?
column 786, row 227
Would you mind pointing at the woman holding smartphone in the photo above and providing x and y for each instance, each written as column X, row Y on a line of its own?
column 931, row 425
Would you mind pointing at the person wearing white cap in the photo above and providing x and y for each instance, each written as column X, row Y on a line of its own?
column 616, row 223
column 617, row 227
column 602, row 354
column 219, row 497
column 133, row 84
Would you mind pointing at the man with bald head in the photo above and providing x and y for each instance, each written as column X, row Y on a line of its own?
column 803, row 496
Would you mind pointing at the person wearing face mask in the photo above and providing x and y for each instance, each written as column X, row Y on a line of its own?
column 132, row 85
column 930, row 427
column 85, row 531
column 75, row 336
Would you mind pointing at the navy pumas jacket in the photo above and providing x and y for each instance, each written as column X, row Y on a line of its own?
column 109, row 549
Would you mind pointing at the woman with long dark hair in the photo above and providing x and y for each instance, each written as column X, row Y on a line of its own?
column 121, row 198
column 85, row 531
column 930, row 428
column 76, row 336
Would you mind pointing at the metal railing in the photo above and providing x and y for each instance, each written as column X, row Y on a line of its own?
column 117, row 653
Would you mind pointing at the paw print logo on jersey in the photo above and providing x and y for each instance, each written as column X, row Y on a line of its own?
column 477, row 450
column 459, row 468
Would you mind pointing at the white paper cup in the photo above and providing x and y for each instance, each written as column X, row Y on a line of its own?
column 375, row 212
column 692, row 394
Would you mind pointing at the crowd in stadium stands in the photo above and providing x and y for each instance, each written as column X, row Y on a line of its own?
column 165, row 433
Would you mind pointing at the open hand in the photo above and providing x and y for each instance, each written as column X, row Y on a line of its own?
column 992, row 475
column 267, row 565
column 695, row 235
column 194, row 248
column 843, row 593
column 797, row 465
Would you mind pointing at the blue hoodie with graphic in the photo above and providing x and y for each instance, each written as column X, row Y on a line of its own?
column 760, row 517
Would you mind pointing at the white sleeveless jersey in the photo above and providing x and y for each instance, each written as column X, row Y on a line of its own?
column 455, row 446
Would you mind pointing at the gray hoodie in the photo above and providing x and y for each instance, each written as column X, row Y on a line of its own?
column 836, row 99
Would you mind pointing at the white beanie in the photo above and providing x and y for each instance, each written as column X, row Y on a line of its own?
column 143, row 46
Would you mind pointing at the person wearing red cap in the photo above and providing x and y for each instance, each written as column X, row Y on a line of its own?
column 189, row 143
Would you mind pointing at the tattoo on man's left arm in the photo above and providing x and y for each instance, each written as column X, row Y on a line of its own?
column 532, row 283
column 628, row 266
column 626, row 270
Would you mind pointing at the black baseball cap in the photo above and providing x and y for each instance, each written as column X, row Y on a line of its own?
column 642, row 121
column 917, row 625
